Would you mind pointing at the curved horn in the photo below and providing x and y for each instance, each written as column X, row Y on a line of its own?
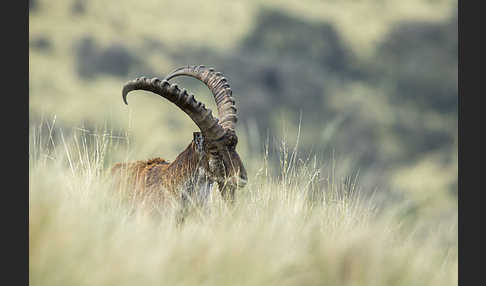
column 219, row 87
column 186, row 102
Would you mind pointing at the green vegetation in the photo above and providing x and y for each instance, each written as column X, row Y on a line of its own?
column 375, row 81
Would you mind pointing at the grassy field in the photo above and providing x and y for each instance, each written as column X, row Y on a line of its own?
column 317, row 218
column 288, row 229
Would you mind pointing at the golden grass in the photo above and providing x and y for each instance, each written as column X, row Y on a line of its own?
column 81, row 233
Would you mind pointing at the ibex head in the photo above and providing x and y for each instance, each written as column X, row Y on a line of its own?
column 215, row 145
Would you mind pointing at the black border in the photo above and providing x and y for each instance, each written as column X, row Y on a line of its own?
column 14, row 135
column 470, row 141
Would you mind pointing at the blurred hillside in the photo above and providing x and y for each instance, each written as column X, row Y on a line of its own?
column 374, row 82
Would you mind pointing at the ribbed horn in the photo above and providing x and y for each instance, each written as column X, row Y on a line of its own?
column 219, row 87
column 201, row 115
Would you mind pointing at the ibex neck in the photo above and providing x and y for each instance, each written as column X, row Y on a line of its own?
column 185, row 168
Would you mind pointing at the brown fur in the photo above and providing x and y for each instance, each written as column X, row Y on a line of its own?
column 210, row 158
column 157, row 174
column 192, row 173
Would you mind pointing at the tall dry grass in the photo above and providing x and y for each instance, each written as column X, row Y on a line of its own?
column 298, row 227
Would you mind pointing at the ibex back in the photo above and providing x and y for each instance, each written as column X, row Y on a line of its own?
column 211, row 156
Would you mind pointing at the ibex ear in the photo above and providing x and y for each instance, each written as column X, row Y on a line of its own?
column 198, row 140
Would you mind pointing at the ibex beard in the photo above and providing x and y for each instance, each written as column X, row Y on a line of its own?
column 210, row 158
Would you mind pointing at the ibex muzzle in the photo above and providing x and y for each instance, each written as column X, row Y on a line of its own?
column 211, row 156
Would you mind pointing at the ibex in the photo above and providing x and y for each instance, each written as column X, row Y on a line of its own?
column 211, row 156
